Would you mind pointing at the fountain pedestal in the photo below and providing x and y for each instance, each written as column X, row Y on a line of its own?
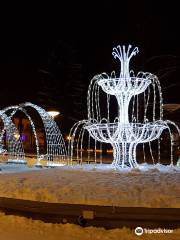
column 124, row 155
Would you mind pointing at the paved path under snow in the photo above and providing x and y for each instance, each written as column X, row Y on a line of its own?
column 90, row 215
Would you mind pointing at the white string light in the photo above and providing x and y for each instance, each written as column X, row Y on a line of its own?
column 55, row 146
column 123, row 135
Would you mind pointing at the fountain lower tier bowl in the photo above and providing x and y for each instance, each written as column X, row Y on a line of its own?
column 131, row 86
column 125, row 133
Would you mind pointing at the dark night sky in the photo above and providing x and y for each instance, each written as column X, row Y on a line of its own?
column 47, row 51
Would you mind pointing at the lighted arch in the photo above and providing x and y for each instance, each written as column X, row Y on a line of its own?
column 15, row 147
column 54, row 141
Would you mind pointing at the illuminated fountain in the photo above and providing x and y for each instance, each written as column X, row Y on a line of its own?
column 130, row 126
column 54, row 142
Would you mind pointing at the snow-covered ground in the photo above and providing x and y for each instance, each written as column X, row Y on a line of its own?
column 20, row 228
column 155, row 186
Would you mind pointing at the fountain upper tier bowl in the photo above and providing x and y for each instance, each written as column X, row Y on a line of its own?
column 127, row 133
column 128, row 86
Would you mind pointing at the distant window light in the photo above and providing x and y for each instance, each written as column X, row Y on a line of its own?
column 23, row 137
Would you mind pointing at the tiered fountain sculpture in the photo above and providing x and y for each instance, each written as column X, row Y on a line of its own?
column 124, row 131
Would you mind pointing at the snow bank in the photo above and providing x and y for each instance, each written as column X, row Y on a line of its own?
column 145, row 187
column 20, row 228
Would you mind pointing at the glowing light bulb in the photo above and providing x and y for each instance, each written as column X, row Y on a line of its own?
column 53, row 113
